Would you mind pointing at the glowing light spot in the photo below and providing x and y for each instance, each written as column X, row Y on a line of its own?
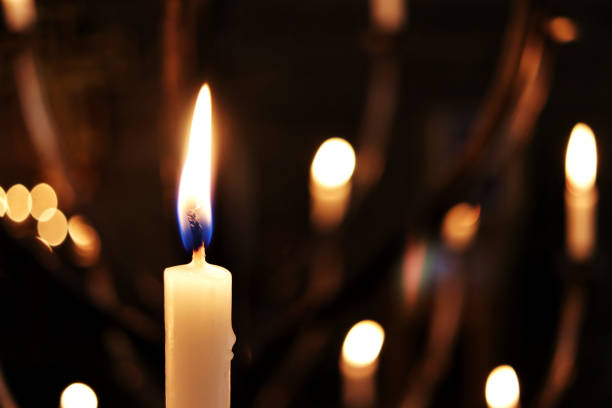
column 85, row 238
column 194, row 197
column 78, row 395
column 562, row 29
column 3, row 204
column 19, row 14
column 43, row 198
column 53, row 227
column 19, row 202
column 581, row 159
column 334, row 163
column 460, row 225
column 502, row 389
column 363, row 343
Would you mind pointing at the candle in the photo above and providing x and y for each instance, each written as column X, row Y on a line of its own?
column 330, row 182
column 580, row 193
column 359, row 363
column 502, row 389
column 198, row 296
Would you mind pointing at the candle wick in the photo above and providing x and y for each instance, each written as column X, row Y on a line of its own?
column 199, row 255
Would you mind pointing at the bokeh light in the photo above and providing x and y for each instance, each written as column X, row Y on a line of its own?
column 43, row 198
column 19, row 14
column 581, row 159
column 460, row 225
column 363, row 343
column 85, row 238
column 334, row 163
column 3, row 204
column 52, row 226
column 502, row 389
column 19, row 202
column 78, row 395
column 562, row 29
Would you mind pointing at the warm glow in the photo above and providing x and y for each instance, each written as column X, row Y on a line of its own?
column 194, row 197
column 78, row 395
column 43, row 198
column 85, row 238
column 460, row 225
column 363, row 343
column 52, row 226
column 502, row 389
column 562, row 29
column 19, row 202
column 334, row 163
column 581, row 159
column 3, row 205
column 19, row 14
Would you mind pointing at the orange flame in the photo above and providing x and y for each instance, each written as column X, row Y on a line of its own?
column 194, row 197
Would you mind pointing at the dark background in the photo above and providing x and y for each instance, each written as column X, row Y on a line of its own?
column 120, row 79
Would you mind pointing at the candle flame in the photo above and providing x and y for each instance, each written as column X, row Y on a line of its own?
column 78, row 395
column 502, row 389
column 363, row 343
column 581, row 159
column 460, row 225
column 333, row 164
column 194, row 197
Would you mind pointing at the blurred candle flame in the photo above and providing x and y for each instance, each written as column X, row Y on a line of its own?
column 194, row 197
column 43, row 198
column 563, row 29
column 363, row 343
column 19, row 14
column 581, row 159
column 334, row 163
column 52, row 226
column 460, row 225
column 3, row 203
column 78, row 395
column 19, row 203
column 331, row 175
column 502, row 389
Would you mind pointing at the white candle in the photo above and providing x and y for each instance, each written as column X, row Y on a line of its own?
column 580, row 193
column 359, row 363
column 331, row 182
column 198, row 296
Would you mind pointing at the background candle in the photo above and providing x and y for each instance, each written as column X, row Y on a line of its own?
column 359, row 363
column 198, row 296
column 580, row 193
column 330, row 182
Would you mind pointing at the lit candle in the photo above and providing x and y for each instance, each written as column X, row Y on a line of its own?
column 330, row 182
column 502, row 389
column 580, row 193
column 359, row 363
column 198, row 296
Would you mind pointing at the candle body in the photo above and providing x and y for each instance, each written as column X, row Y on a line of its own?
column 199, row 336
column 358, row 386
column 328, row 204
column 580, row 217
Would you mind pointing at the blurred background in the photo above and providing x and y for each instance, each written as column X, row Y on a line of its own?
column 442, row 213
